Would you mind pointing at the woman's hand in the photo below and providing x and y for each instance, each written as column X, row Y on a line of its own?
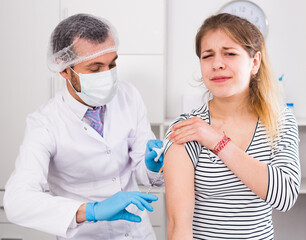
column 195, row 129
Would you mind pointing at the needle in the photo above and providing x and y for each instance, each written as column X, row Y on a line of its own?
column 155, row 179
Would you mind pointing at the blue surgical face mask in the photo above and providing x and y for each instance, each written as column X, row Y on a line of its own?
column 97, row 89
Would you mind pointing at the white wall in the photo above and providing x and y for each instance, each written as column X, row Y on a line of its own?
column 285, row 43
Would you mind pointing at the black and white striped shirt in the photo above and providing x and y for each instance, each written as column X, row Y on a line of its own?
column 227, row 209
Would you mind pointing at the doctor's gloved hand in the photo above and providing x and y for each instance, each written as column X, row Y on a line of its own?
column 154, row 164
column 113, row 208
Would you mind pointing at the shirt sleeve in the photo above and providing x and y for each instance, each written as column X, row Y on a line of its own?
column 193, row 148
column 284, row 168
column 25, row 201
column 140, row 134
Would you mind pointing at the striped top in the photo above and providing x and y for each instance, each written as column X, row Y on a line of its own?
column 227, row 209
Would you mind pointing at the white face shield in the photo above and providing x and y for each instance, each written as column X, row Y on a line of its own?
column 79, row 38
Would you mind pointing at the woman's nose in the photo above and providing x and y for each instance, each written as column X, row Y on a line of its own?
column 218, row 63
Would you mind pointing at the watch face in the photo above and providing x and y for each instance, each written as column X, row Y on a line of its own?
column 250, row 11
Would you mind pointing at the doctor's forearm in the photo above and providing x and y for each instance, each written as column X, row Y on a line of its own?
column 81, row 214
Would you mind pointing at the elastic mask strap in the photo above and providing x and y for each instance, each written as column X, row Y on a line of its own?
column 71, row 83
column 74, row 71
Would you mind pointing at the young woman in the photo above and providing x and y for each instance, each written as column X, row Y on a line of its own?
column 233, row 160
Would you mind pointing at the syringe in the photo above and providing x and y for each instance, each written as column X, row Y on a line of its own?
column 155, row 179
column 159, row 152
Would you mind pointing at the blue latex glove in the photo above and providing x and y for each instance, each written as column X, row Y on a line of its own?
column 113, row 208
column 151, row 154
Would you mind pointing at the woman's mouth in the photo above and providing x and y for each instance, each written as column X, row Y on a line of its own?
column 220, row 79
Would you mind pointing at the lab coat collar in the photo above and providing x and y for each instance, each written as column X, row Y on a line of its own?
column 76, row 107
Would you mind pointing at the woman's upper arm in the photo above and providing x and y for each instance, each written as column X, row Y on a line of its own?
column 179, row 185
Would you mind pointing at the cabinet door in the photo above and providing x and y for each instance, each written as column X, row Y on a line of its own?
column 13, row 232
column 25, row 79
column 158, row 217
column 146, row 73
column 140, row 23
column 141, row 28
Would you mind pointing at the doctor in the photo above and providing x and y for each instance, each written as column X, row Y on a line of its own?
column 87, row 144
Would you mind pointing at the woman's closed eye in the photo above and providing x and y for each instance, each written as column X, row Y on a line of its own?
column 207, row 56
column 230, row 54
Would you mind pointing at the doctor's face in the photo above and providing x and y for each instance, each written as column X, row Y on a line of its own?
column 226, row 67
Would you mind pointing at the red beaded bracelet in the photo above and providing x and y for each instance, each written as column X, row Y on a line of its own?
column 220, row 145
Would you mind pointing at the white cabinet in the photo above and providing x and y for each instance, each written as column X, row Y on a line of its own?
column 25, row 79
column 146, row 72
column 291, row 224
column 158, row 217
column 140, row 23
column 10, row 231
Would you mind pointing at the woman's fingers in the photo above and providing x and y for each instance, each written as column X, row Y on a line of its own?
column 192, row 129
column 185, row 135
column 184, row 123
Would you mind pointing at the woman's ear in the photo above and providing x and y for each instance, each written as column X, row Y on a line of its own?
column 256, row 63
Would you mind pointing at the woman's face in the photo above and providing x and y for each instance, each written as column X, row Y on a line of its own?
column 226, row 67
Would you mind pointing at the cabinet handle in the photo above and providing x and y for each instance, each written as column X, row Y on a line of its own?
column 65, row 13
column 52, row 87
column 1, row 208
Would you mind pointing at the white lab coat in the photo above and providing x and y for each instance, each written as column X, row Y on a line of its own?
column 62, row 151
